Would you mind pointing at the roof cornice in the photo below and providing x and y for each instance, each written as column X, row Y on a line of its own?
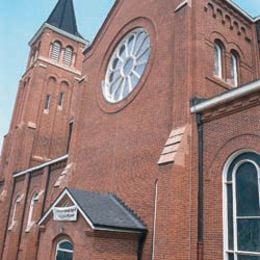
column 59, row 31
column 227, row 97
column 242, row 11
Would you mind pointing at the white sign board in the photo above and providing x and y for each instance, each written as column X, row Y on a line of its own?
column 65, row 213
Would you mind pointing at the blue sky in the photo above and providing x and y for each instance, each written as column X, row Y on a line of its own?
column 19, row 20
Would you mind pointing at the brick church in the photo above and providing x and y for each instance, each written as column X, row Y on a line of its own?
column 144, row 144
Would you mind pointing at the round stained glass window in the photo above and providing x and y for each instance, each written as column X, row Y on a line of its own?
column 126, row 65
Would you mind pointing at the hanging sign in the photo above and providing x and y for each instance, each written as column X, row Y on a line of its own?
column 65, row 213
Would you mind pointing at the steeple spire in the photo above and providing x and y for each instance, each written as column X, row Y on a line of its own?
column 63, row 17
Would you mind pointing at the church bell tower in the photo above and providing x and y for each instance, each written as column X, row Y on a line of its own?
column 43, row 112
column 43, row 115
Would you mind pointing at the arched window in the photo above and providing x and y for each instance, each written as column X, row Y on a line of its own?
column 64, row 250
column 234, row 68
column 55, row 51
column 16, row 203
column 67, row 57
column 218, row 56
column 61, row 100
column 30, row 221
column 47, row 102
column 242, row 217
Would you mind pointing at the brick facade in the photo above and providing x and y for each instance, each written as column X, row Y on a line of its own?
column 115, row 147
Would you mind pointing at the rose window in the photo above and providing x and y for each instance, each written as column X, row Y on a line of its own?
column 126, row 66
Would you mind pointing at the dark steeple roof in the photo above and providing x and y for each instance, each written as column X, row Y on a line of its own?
column 63, row 17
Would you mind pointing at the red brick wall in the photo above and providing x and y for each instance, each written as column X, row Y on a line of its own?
column 115, row 148
column 232, row 133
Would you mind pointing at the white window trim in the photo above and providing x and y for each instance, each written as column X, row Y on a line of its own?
column 47, row 108
column 225, row 203
column 67, row 58
column 219, row 49
column 13, row 221
column 234, row 68
column 61, row 100
column 63, row 250
column 55, row 51
column 36, row 196
column 106, row 84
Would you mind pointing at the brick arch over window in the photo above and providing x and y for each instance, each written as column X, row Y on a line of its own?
column 51, row 80
column 65, row 83
column 63, row 247
column 231, row 46
column 241, row 211
column 216, row 161
column 217, row 36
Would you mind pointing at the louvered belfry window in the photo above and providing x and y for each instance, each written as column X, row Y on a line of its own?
column 55, row 51
column 68, row 55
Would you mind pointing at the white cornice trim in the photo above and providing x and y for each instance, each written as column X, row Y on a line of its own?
column 226, row 97
column 38, row 167
column 55, row 29
column 242, row 11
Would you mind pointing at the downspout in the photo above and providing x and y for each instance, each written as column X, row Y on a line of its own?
column 200, row 186
column 8, row 216
column 155, row 218
column 141, row 245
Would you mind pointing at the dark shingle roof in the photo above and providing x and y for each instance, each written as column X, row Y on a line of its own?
column 106, row 210
column 63, row 17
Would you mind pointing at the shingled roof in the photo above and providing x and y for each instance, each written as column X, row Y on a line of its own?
column 101, row 210
column 63, row 17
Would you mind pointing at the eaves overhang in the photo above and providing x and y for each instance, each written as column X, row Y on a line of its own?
column 41, row 166
column 94, row 226
column 59, row 31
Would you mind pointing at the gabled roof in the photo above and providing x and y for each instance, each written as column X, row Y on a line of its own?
column 102, row 211
column 63, row 17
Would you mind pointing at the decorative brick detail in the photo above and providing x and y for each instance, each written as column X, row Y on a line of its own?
column 228, row 17
column 63, row 178
column 171, row 146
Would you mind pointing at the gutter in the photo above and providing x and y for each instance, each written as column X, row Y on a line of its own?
column 227, row 97
column 141, row 245
column 38, row 167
